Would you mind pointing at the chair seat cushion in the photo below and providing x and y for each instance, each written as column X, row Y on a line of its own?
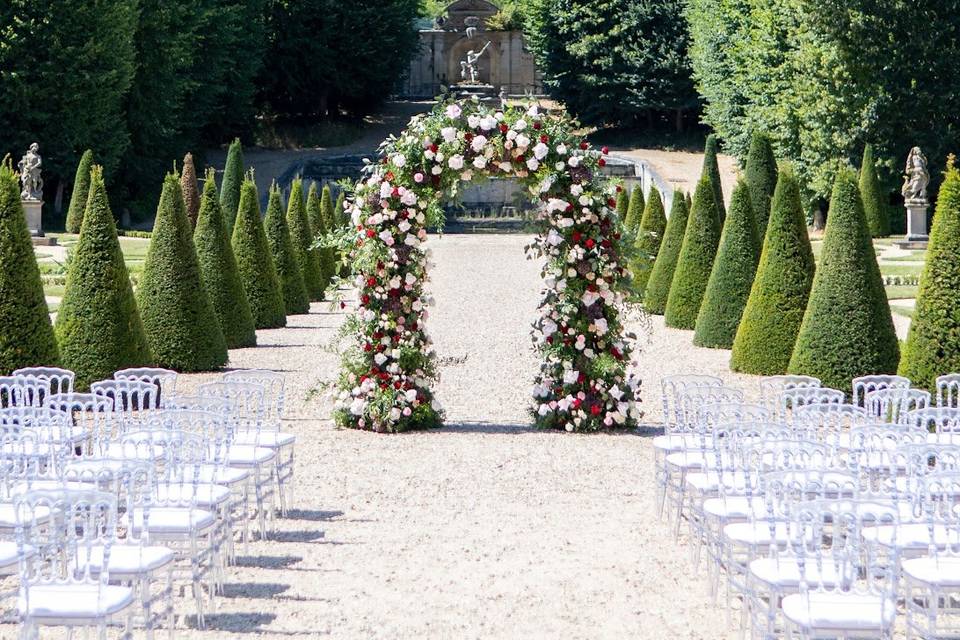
column 696, row 460
column 709, row 481
column 222, row 475
column 203, row 494
column 784, row 573
column 127, row 559
column 8, row 515
column 840, row 610
column 242, row 455
column 272, row 439
column 74, row 601
column 759, row 533
column 10, row 556
column 942, row 571
column 913, row 535
column 133, row 451
column 680, row 441
column 171, row 520
column 735, row 507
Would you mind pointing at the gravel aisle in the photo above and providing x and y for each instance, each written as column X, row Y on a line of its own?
column 484, row 529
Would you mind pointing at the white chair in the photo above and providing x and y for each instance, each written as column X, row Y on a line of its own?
column 772, row 387
column 948, row 390
column 52, row 379
column 941, row 423
column 793, row 399
column 830, row 423
column 131, row 398
column 894, row 404
column 866, row 384
column 672, row 386
column 164, row 379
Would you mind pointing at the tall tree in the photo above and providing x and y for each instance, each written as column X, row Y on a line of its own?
column 649, row 236
column 255, row 264
column 318, row 224
column 711, row 169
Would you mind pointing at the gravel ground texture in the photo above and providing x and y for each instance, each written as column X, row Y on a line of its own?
column 482, row 529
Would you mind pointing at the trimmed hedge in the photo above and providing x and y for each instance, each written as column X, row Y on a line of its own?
column 711, row 169
column 27, row 337
column 302, row 237
column 761, row 177
column 647, row 245
column 874, row 204
column 182, row 330
column 232, row 183
column 933, row 343
column 325, row 255
column 98, row 325
column 81, row 189
column 732, row 274
column 255, row 263
column 295, row 297
column 339, row 215
column 191, row 196
column 696, row 259
column 778, row 297
column 661, row 276
column 623, row 204
column 635, row 209
column 218, row 271
column 847, row 330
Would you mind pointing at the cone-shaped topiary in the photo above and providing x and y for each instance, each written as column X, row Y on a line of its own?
column 341, row 216
column 81, row 189
column 330, row 217
column 761, row 177
column 623, row 203
column 847, row 330
column 27, row 338
column 218, row 271
column 232, row 182
column 711, row 169
column 933, row 343
column 325, row 255
column 696, row 260
column 302, row 237
column 255, row 263
column 98, row 325
column 649, row 236
column 191, row 196
column 661, row 276
column 732, row 274
column 688, row 199
column 874, row 204
column 778, row 297
column 182, row 330
column 295, row 297
column 635, row 209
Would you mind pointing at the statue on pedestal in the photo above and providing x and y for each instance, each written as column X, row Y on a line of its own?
column 916, row 178
column 32, row 183
column 468, row 67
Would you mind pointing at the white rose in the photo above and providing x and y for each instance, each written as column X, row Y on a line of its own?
column 523, row 141
column 480, row 162
column 488, row 123
column 533, row 164
column 540, row 151
column 562, row 149
column 520, row 124
column 436, row 170
column 456, row 162
column 398, row 160
column 449, row 134
column 478, row 143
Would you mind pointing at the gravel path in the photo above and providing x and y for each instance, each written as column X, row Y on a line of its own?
column 483, row 529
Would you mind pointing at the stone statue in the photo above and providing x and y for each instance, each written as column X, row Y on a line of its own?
column 30, row 174
column 503, row 99
column 468, row 67
column 916, row 178
column 473, row 24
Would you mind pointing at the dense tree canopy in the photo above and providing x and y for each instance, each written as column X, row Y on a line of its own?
column 613, row 61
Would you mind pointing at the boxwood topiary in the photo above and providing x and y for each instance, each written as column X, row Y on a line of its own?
column 761, row 177
column 778, row 297
column 182, row 330
column 661, row 276
column 98, row 325
column 232, row 182
column 326, row 255
column 696, row 259
column 647, row 245
column 711, row 169
column 732, row 274
column 191, row 196
column 281, row 248
column 933, row 343
column 847, row 330
column 27, row 337
column 635, row 209
column 623, row 203
column 255, row 263
column 218, row 271
column 302, row 238
column 874, row 204
column 81, row 189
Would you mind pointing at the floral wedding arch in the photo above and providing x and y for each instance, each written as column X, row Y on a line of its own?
column 388, row 366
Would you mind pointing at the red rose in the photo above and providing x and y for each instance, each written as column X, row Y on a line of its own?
column 364, row 299
column 590, row 243
column 395, row 193
column 434, row 148
column 619, row 188
column 584, row 145
column 576, row 403
column 602, row 162
column 537, row 125
column 544, row 138
column 504, row 128
column 569, row 206
column 520, row 159
column 605, row 150
column 595, row 409
column 576, row 236
column 368, row 347
column 371, row 282
column 611, row 203
column 371, row 233
column 468, row 137
column 397, row 385
column 343, row 305
column 581, row 378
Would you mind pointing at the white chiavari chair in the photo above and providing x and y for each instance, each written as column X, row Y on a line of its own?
column 164, row 379
column 866, row 384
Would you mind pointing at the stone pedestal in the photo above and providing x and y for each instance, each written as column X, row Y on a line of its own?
column 916, row 227
column 33, row 209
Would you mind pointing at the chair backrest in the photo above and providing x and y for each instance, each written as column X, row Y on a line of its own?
column 935, row 419
column 948, row 390
column 215, row 404
column 52, row 379
column 690, row 401
column 865, row 384
column 164, row 379
column 129, row 396
column 273, row 385
column 19, row 391
column 771, row 387
column 672, row 386
column 92, row 414
column 710, row 415
column 894, row 403
column 249, row 402
column 824, row 421
column 793, row 399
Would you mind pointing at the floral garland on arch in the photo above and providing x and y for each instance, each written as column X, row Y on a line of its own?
column 388, row 367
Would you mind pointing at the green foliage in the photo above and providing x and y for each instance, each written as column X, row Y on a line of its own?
column 778, row 297
column 326, row 255
column 847, row 330
column 613, row 61
column 623, row 203
column 81, row 188
column 732, row 274
column 631, row 221
column 302, row 237
column 232, row 181
column 98, row 325
column 327, row 210
column 339, row 212
column 661, row 276
column 649, row 236
column 218, row 271
column 182, row 330
column 695, row 260
column 874, row 204
column 712, row 170
column 191, row 195
column 284, row 259
column 27, row 338
column 312, row 69
column 258, row 275
column 761, row 177
column 933, row 343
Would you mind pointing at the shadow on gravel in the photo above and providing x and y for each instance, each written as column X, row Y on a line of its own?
column 312, row 515
column 234, row 622
column 484, row 427
column 265, row 590
column 268, row 562
column 650, row 430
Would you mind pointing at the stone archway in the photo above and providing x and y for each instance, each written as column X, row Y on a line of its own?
column 387, row 362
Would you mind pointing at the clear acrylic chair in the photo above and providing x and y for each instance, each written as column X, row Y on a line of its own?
column 672, row 386
column 51, row 379
column 793, row 399
column 894, row 404
column 132, row 399
column 866, row 384
column 948, row 390
column 941, row 423
column 772, row 387
column 164, row 379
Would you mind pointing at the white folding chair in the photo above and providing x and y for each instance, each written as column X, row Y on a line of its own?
column 164, row 379
column 948, row 390
column 51, row 379
column 866, row 384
